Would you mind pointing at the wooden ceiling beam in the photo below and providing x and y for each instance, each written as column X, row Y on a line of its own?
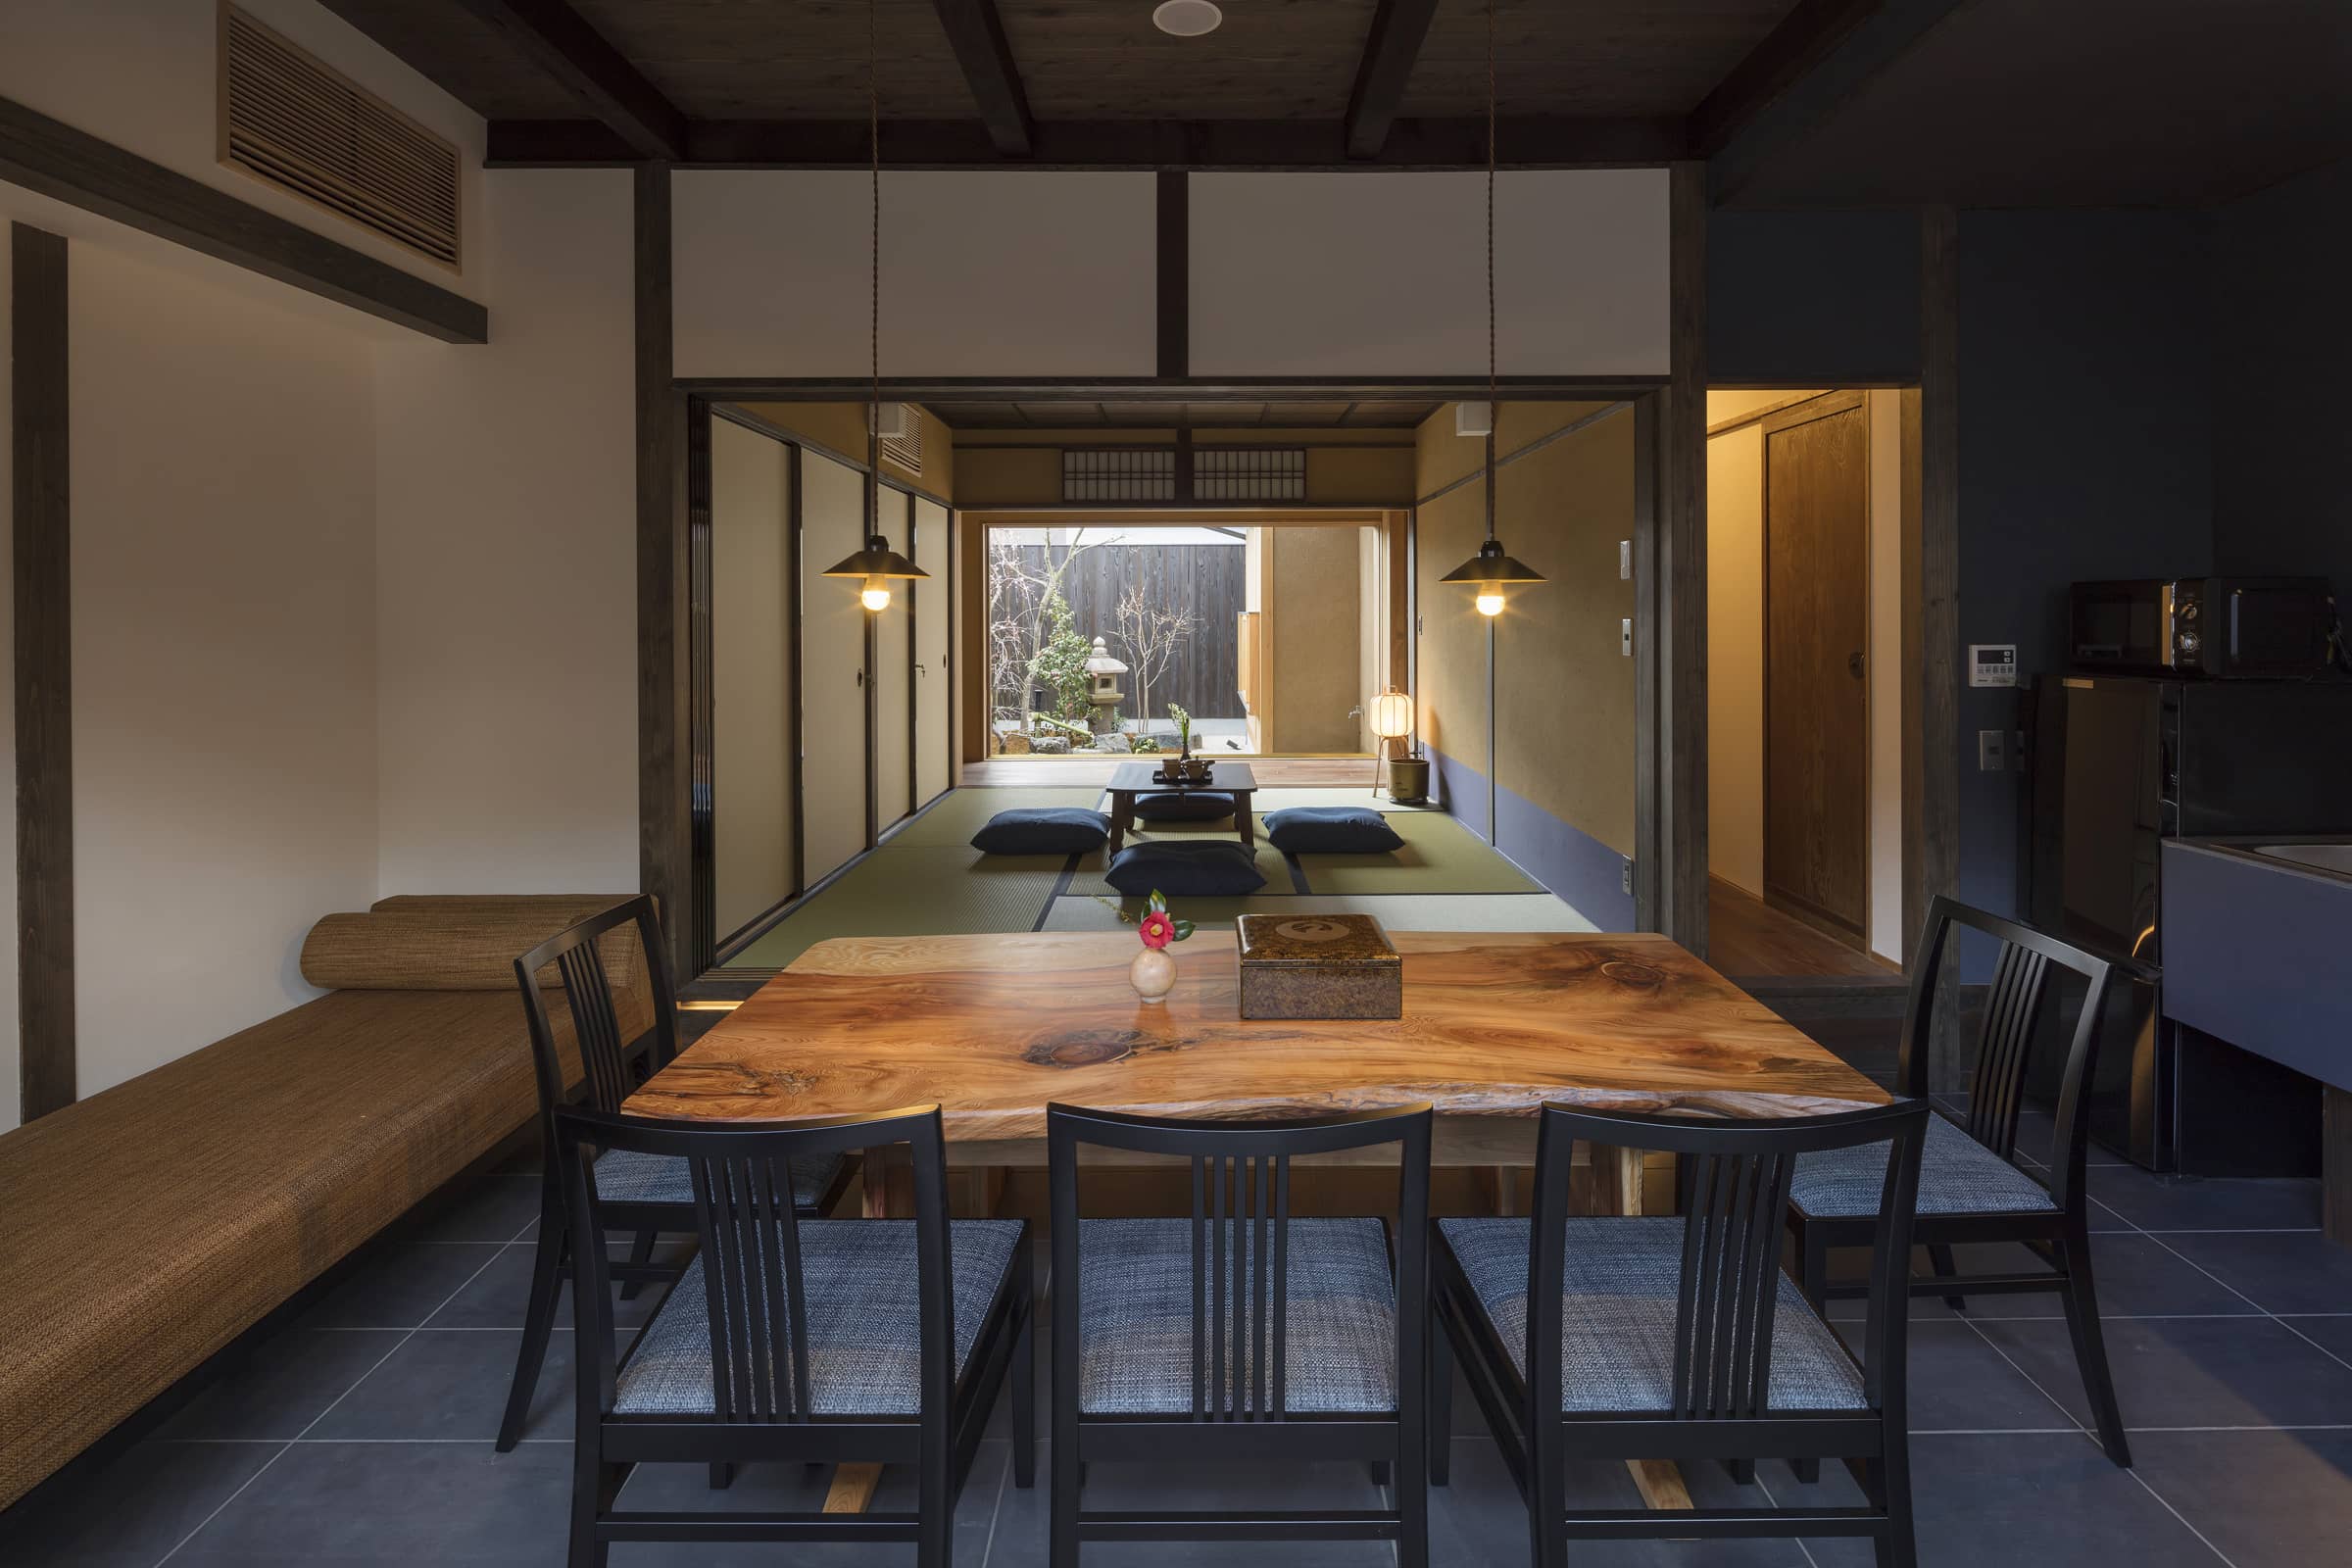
column 1398, row 27
column 1806, row 35
column 601, row 76
column 52, row 158
column 976, row 32
column 1528, row 142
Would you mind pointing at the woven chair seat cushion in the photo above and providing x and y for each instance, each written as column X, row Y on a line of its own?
column 624, row 1176
column 1135, row 1294
column 1957, row 1175
column 1621, row 1281
column 865, row 1330
column 1184, row 806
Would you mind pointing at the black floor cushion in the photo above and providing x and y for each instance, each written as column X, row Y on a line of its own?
column 1331, row 830
column 1186, row 868
column 1042, row 830
column 1184, row 806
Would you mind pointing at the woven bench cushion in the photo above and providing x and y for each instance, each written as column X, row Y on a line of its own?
column 1957, row 1175
column 624, row 1176
column 1621, row 1280
column 1135, row 1294
column 865, row 1334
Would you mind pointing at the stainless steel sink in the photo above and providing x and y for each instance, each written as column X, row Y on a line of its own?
column 2331, row 856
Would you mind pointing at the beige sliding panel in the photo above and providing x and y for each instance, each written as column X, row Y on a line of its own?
column 934, row 543
column 751, row 674
column 832, row 667
column 893, row 678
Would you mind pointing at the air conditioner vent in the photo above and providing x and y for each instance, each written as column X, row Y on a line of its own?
column 288, row 118
column 904, row 449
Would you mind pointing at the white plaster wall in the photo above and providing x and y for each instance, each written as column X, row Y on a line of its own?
column 144, row 75
column 1385, row 274
column 983, row 273
column 224, row 654
column 506, row 485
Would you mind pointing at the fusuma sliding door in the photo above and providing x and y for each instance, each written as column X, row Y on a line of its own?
column 933, row 544
column 893, row 677
column 833, row 730
column 752, row 674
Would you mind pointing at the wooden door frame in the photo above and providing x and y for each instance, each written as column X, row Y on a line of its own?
column 1829, row 403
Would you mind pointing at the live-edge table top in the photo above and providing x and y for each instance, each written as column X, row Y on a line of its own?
column 995, row 1027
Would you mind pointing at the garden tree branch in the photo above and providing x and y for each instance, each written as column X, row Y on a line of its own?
column 1018, row 596
column 1152, row 635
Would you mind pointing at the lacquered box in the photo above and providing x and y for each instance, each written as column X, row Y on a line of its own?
column 1319, row 966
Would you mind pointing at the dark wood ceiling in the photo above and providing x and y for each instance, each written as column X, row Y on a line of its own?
column 1072, row 414
column 784, row 81
column 2088, row 103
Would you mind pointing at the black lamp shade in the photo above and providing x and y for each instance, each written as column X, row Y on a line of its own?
column 876, row 560
column 1491, row 565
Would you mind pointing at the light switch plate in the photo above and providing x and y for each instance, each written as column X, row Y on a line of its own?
column 1625, row 637
column 1625, row 877
column 1625, row 560
column 1992, row 751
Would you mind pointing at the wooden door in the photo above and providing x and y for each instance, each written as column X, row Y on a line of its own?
column 933, row 543
column 893, row 677
column 1816, row 661
column 833, row 673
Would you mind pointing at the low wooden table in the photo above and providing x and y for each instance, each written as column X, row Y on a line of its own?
column 1131, row 780
column 1495, row 1025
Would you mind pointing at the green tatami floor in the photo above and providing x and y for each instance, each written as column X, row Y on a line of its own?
column 926, row 880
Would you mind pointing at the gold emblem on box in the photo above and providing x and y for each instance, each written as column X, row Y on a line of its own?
column 1319, row 966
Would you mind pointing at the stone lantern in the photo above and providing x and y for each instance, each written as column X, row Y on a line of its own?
column 1102, row 692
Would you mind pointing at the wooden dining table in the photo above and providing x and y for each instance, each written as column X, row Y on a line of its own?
column 993, row 1028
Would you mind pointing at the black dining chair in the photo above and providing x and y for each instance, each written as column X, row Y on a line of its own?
column 853, row 1341
column 1242, row 1333
column 1971, row 1190
column 646, row 1194
column 1679, row 1338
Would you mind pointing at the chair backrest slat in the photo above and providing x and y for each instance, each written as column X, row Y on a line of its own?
column 608, row 1062
column 1738, row 1177
column 1240, row 1228
column 2005, row 1038
column 754, row 1268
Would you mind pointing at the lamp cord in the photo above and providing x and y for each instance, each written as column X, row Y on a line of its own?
column 1493, row 92
column 873, row 321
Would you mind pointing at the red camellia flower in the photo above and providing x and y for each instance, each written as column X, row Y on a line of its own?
column 1157, row 929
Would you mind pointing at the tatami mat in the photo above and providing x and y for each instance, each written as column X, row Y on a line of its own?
column 1461, row 911
column 926, row 880
column 914, row 892
column 961, row 813
column 1440, row 855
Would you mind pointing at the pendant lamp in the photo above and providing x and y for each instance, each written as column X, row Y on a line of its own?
column 877, row 565
column 1491, row 568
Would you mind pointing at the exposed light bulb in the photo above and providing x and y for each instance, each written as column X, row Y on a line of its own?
column 875, row 595
column 1489, row 604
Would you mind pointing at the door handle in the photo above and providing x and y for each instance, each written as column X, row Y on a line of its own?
column 1855, row 665
column 920, row 669
column 861, row 677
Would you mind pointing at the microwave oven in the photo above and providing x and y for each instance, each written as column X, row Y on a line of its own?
column 2215, row 627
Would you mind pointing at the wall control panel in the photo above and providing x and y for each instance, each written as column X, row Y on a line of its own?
column 1992, row 663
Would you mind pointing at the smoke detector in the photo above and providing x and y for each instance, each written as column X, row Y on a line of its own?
column 1186, row 19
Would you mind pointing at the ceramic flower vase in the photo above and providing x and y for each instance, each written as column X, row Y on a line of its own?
column 1153, row 974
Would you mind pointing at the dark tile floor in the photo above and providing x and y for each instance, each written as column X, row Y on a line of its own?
column 360, row 1433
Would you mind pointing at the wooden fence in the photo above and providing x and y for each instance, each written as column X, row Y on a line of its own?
column 1203, row 581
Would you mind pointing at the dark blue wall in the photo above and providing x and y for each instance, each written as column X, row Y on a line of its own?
column 2086, row 396
column 2087, row 393
column 2282, row 292
column 1812, row 298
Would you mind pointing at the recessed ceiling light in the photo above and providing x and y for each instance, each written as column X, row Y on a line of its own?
column 1186, row 19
